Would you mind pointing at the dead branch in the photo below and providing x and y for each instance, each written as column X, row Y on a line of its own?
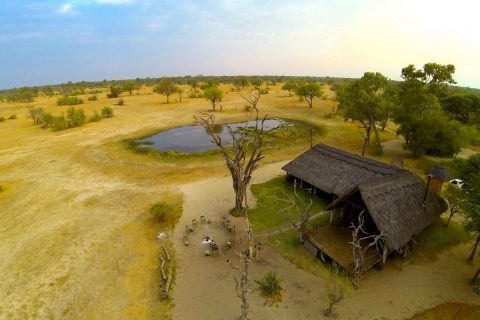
column 359, row 250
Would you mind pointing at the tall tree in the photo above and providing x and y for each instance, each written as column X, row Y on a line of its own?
column 289, row 86
column 418, row 108
column 165, row 87
column 246, row 151
column 365, row 101
column 214, row 95
column 469, row 171
column 129, row 86
column 309, row 91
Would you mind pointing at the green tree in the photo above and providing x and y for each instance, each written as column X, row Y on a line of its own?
column 214, row 95
column 364, row 101
column 115, row 91
column 418, row 110
column 469, row 171
column 309, row 91
column 129, row 86
column 461, row 106
column 165, row 87
column 257, row 83
column 289, row 86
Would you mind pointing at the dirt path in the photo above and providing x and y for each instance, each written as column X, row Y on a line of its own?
column 204, row 287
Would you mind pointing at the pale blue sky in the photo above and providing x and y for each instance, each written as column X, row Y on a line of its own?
column 47, row 41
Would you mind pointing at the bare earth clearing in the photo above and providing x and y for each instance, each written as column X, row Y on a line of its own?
column 77, row 242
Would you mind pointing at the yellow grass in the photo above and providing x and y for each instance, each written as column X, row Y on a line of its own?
column 75, row 232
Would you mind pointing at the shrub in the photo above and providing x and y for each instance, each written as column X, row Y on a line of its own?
column 2, row 119
column 107, row 112
column 270, row 286
column 120, row 102
column 75, row 117
column 69, row 101
column 115, row 91
column 36, row 115
column 161, row 209
column 12, row 117
column 1, row 188
column 93, row 98
column 95, row 117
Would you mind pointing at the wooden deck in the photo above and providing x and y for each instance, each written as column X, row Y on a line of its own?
column 333, row 241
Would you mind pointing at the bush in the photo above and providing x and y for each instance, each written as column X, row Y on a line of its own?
column 69, row 101
column 1, row 188
column 161, row 209
column 95, row 117
column 120, row 102
column 107, row 112
column 2, row 119
column 270, row 286
column 12, row 117
column 93, row 98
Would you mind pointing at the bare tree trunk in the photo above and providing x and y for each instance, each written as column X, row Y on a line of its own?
column 213, row 105
column 452, row 211
column 475, row 276
column 246, row 151
column 378, row 144
column 309, row 101
column 474, row 248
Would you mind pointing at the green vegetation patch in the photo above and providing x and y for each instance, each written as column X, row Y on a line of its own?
column 70, row 101
column 267, row 214
column 437, row 237
column 287, row 244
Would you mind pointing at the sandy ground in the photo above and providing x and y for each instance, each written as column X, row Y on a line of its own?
column 76, row 241
column 205, row 285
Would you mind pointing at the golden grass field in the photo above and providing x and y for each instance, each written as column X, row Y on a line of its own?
column 76, row 238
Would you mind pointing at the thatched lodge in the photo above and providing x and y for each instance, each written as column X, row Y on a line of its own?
column 393, row 201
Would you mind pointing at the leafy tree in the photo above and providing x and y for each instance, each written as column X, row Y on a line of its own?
column 240, row 82
column 469, row 171
column 461, row 106
column 257, row 83
column 454, row 197
column 364, row 101
column 418, row 111
column 165, row 87
column 180, row 93
column 309, row 91
column 289, row 86
column 214, row 95
column 129, row 86
column 115, row 91
column 48, row 91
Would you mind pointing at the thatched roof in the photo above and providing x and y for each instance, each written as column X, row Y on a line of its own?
column 336, row 171
column 395, row 205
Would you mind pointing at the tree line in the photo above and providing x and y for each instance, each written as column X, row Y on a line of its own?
column 433, row 117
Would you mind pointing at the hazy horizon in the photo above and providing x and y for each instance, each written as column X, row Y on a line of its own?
column 51, row 42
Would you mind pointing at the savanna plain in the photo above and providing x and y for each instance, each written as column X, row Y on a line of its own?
column 77, row 240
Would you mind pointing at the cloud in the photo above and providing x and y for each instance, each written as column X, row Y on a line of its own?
column 66, row 8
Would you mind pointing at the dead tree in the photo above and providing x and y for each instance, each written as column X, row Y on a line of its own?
column 334, row 295
column 242, row 287
column 359, row 236
column 246, row 151
column 301, row 207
